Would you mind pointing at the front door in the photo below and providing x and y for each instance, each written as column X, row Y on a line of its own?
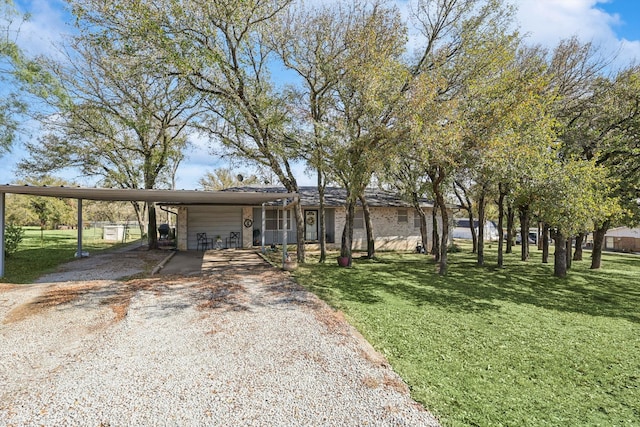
column 310, row 225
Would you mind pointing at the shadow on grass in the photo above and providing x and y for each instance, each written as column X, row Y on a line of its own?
column 610, row 292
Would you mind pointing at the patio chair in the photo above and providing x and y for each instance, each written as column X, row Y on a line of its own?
column 202, row 241
column 234, row 239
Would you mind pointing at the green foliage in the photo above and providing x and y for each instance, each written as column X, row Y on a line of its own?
column 10, row 103
column 47, row 212
column 453, row 248
column 513, row 346
column 223, row 178
column 13, row 236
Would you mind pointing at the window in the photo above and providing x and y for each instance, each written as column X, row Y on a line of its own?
column 416, row 220
column 358, row 220
column 274, row 220
column 403, row 216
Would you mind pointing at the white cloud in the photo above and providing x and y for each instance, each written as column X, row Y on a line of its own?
column 47, row 26
column 546, row 22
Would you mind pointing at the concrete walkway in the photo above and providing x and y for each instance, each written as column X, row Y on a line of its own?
column 211, row 262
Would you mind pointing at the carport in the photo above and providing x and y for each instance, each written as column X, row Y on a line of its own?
column 167, row 197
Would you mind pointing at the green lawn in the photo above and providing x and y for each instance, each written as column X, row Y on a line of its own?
column 37, row 255
column 511, row 347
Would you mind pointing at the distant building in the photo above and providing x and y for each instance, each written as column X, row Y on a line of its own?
column 623, row 239
column 463, row 231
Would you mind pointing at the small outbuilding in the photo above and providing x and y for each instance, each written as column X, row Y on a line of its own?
column 462, row 230
column 622, row 239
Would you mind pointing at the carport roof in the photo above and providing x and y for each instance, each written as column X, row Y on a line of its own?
column 159, row 196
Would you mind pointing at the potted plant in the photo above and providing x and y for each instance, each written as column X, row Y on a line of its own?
column 343, row 261
column 289, row 264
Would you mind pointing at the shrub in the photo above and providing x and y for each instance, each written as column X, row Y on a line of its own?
column 453, row 248
column 13, row 235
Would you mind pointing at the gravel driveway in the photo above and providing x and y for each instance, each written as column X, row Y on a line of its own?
column 239, row 345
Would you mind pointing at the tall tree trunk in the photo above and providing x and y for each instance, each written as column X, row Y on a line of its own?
column 539, row 236
column 545, row 243
column 577, row 255
column 560, row 255
column 511, row 221
column 435, row 238
column 598, row 243
column 525, row 216
column 569, row 252
column 503, row 192
column 481, row 221
column 371, row 243
column 467, row 205
column 347, row 232
column 299, row 217
column 152, row 233
column 437, row 190
column 140, row 212
column 445, row 236
column 323, row 222
column 424, row 237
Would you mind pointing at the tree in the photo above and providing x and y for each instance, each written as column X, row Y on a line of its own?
column 464, row 199
column 613, row 122
column 406, row 177
column 310, row 42
column 46, row 212
column 574, row 189
column 12, row 60
column 223, row 178
column 13, row 236
column 119, row 119
column 464, row 43
column 220, row 50
column 371, row 75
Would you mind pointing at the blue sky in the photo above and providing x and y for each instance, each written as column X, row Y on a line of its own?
column 614, row 25
column 628, row 12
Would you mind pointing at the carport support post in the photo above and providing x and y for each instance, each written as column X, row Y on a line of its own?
column 284, row 233
column 1, row 235
column 80, row 227
column 263, row 225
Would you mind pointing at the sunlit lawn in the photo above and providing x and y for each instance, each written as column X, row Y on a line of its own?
column 39, row 254
column 500, row 347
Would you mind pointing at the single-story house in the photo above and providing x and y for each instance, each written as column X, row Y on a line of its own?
column 463, row 231
column 396, row 224
column 238, row 216
column 622, row 239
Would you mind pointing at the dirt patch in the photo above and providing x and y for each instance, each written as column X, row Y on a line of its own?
column 116, row 295
column 333, row 320
column 5, row 287
column 229, row 296
column 55, row 297
column 395, row 383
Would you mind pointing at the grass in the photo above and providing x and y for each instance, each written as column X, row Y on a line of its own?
column 38, row 255
column 489, row 347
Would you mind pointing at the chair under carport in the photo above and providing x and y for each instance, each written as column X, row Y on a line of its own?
column 233, row 240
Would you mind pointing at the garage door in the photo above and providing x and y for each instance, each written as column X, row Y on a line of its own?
column 213, row 220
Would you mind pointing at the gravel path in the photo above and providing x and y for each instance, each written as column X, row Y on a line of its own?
column 243, row 345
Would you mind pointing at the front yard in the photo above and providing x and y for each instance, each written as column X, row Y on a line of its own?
column 515, row 346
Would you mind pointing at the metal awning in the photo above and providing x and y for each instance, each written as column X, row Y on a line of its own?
column 167, row 197
column 158, row 196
